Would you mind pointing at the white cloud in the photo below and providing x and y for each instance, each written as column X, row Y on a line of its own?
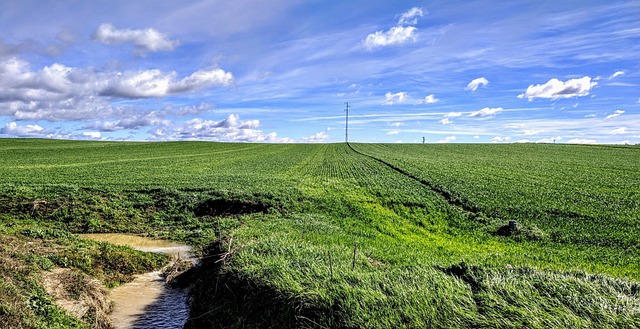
column 476, row 137
column 231, row 129
column 447, row 139
column 445, row 121
column 320, row 137
column 475, row 83
column 430, row 99
column 397, row 35
column 614, row 115
column 619, row 131
column 92, row 134
column 555, row 89
column 549, row 140
column 617, row 74
column 592, row 115
column 61, row 93
column 581, row 141
column 410, row 17
column 397, row 124
column 486, row 112
column 14, row 130
column 453, row 114
column 393, row 132
column 155, row 83
column 500, row 139
column 201, row 79
column 391, row 99
column 146, row 39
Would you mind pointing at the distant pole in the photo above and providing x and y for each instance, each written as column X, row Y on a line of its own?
column 422, row 140
column 346, row 124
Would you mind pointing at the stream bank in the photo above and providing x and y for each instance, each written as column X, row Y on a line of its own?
column 148, row 301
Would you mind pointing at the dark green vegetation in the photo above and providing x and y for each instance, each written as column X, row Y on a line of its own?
column 278, row 223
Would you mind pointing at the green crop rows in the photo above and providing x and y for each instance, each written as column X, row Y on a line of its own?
column 428, row 224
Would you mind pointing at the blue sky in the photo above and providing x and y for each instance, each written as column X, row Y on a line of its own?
column 282, row 70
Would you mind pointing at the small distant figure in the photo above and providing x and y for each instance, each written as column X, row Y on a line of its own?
column 422, row 139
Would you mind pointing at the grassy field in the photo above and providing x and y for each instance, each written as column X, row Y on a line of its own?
column 336, row 235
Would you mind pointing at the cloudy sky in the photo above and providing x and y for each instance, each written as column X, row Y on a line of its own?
column 282, row 70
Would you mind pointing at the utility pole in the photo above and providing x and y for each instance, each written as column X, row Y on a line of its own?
column 346, row 124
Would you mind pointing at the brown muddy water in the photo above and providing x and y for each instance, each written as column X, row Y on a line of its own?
column 147, row 301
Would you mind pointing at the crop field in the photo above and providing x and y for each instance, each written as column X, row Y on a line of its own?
column 336, row 235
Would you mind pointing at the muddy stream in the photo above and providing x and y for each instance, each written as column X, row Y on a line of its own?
column 147, row 301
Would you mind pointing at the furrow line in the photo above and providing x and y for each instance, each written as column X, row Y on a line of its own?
column 452, row 199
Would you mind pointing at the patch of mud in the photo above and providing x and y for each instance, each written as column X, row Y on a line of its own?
column 81, row 296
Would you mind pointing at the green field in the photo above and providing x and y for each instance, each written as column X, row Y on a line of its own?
column 277, row 226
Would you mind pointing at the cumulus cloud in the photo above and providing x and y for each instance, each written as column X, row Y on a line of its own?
column 555, row 89
column 500, row 139
column 486, row 112
column 619, row 131
column 581, row 141
column 475, row 83
column 320, row 137
column 430, row 99
column 155, row 83
column 144, row 39
column 617, row 74
column 393, row 132
column 592, row 115
column 446, row 121
column 231, row 129
column 14, row 130
column 397, row 35
column 391, row 99
column 61, row 93
column 92, row 134
column 397, row 124
column 614, row 115
column 201, row 79
column 448, row 139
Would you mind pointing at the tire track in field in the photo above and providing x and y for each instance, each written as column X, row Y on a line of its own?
column 452, row 199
